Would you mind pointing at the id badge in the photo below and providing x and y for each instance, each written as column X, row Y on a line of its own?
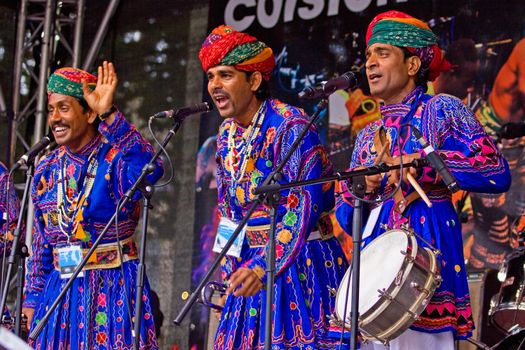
column 68, row 259
column 224, row 232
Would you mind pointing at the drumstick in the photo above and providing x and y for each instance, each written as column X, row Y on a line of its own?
column 418, row 189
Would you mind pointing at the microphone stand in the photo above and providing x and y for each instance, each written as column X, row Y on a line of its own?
column 147, row 192
column 273, row 200
column 19, row 253
column 358, row 187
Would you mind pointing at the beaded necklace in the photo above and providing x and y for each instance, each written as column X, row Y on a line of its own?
column 239, row 155
column 242, row 152
column 70, row 211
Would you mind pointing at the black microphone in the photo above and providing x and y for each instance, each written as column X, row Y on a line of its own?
column 346, row 81
column 511, row 131
column 30, row 155
column 436, row 162
column 184, row 111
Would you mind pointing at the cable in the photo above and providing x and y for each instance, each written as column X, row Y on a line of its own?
column 172, row 172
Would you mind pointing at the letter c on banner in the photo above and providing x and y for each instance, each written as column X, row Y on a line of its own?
column 243, row 23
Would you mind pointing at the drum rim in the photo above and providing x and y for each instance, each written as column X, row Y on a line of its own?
column 430, row 284
column 511, row 306
column 380, row 305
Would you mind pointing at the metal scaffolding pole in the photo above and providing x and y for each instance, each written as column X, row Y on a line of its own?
column 77, row 37
column 101, row 34
column 41, row 109
column 17, row 75
column 43, row 28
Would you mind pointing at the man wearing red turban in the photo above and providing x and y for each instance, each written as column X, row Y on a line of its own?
column 401, row 56
column 254, row 137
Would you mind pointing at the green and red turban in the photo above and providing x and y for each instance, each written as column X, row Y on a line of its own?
column 68, row 81
column 400, row 29
column 227, row 47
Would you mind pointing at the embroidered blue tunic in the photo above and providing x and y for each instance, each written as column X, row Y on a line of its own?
column 308, row 271
column 478, row 166
column 96, row 311
column 9, row 208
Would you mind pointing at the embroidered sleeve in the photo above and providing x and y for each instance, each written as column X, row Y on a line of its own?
column 344, row 202
column 467, row 150
column 134, row 152
column 300, row 207
column 40, row 261
column 9, row 209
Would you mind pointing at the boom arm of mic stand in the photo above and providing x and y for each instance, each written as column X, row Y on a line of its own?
column 346, row 175
column 125, row 199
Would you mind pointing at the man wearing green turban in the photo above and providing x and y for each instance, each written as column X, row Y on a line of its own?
column 76, row 189
column 401, row 56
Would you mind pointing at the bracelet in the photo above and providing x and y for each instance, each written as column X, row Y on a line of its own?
column 107, row 113
column 259, row 271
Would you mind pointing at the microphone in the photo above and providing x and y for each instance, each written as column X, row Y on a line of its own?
column 511, row 131
column 184, row 111
column 436, row 162
column 346, row 81
column 30, row 155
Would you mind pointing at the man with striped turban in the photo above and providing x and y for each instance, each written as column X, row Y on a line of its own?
column 402, row 55
column 76, row 189
column 254, row 137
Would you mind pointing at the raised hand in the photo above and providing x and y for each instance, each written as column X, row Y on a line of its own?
column 100, row 100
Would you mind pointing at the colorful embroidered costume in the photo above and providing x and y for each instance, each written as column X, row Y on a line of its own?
column 75, row 195
column 477, row 166
column 309, row 266
column 9, row 208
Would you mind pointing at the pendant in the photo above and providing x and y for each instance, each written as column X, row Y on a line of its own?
column 80, row 234
column 231, row 191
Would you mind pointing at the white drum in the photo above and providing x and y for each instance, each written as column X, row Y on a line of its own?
column 397, row 280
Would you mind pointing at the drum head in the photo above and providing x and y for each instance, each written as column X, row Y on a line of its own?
column 381, row 261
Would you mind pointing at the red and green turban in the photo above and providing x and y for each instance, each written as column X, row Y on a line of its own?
column 399, row 29
column 68, row 81
column 227, row 47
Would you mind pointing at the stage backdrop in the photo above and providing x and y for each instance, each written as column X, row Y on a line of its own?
column 315, row 40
